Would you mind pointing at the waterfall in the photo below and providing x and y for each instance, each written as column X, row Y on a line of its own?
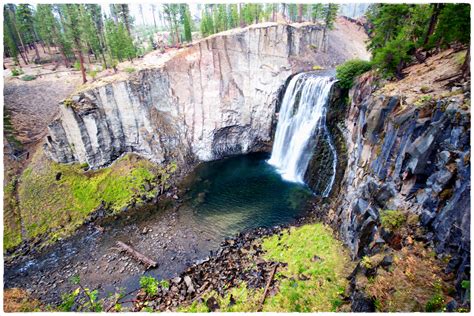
column 302, row 117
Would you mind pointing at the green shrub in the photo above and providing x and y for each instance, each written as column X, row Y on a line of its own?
column 77, row 65
column 392, row 219
column 28, row 77
column 16, row 72
column 435, row 304
column 130, row 70
column 149, row 285
column 347, row 72
column 93, row 73
column 392, row 56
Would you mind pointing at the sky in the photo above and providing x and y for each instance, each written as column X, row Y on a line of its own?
column 147, row 13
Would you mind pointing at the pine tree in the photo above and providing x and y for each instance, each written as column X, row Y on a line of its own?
column 171, row 12
column 233, row 16
column 119, row 43
column 90, row 32
column 24, row 16
column 329, row 13
column 10, row 41
column 186, row 21
column 153, row 9
column 74, row 32
column 317, row 12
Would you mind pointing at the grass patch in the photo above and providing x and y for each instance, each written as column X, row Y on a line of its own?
column 57, row 197
column 412, row 284
column 129, row 70
column 18, row 301
column 312, row 281
column 11, row 216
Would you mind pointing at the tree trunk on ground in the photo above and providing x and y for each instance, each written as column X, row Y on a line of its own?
column 136, row 255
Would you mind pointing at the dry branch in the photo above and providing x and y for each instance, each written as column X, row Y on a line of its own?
column 267, row 287
column 137, row 256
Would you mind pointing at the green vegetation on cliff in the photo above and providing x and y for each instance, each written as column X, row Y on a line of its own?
column 312, row 281
column 348, row 71
column 56, row 198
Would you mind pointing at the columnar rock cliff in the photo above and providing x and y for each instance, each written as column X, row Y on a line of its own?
column 212, row 99
column 412, row 158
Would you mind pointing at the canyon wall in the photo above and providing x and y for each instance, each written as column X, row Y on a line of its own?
column 215, row 98
column 408, row 157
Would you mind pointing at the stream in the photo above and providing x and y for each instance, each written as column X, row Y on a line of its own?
column 218, row 200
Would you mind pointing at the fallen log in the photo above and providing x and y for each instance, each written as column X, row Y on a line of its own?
column 267, row 287
column 147, row 262
column 447, row 77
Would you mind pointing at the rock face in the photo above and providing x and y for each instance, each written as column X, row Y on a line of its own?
column 415, row 159
column 215, row 98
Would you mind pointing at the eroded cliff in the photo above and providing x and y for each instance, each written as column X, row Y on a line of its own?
column 213, row 99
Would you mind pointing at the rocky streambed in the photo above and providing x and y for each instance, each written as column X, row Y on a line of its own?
column 216, row 202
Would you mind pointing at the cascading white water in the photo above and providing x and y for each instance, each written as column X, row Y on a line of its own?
column 302, row 116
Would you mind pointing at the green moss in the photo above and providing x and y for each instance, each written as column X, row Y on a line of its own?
column 28, row 77
column 310, row 251
column 130, row 70
column 68, row 103
column 60, row 206
column 11, row 216
column 392, row 219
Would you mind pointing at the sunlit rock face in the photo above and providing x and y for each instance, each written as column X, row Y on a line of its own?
column 207, row 101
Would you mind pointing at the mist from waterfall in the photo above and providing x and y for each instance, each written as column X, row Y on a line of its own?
column 302, row 117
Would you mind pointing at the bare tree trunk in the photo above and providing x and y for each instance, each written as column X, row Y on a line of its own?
column 433, row 20
column 300, row 13
column 137, row 256
column 83, row 69
column 153, row 12
column 36, row 51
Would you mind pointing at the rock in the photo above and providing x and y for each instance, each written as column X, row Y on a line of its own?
column 387, row 261
column 144, row 231
column 175, row 197
column 176, row 280
column 360, row 303
column 212, row 304
column 75, row 98
column 189, row 284
column 451, row 306
column 316, row 259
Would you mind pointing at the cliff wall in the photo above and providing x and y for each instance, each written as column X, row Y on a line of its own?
column 213, row 99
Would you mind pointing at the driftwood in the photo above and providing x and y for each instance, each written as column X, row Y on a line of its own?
column 267, row 287
column 447, row 77
column 147, row 262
